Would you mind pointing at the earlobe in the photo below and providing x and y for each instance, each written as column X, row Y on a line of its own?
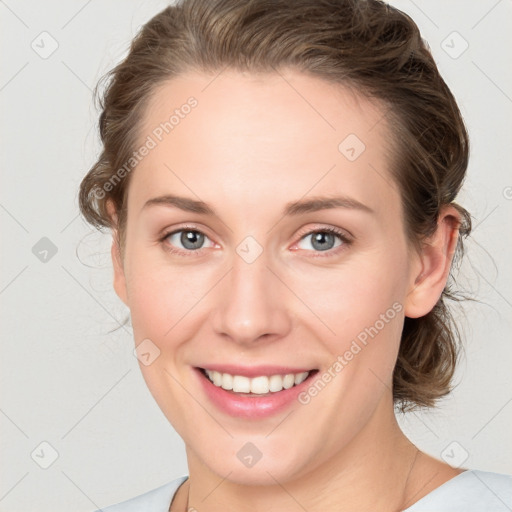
column 430, row 275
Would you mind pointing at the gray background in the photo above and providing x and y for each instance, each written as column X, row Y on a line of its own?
column 68, row 382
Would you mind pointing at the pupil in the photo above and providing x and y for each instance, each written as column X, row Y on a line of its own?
column 321, row 239
column 192, row 239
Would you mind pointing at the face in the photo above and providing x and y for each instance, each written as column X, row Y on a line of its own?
column 244, row 271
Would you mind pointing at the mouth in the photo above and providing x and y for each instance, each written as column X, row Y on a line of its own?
column 253, row 392
column 258, row 385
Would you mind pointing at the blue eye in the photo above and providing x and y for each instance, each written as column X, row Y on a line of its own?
column 188, row 241
column 191, row 240
column 323, row 240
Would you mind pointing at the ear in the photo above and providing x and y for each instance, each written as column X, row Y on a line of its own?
column 432, row 266
column 117, row 260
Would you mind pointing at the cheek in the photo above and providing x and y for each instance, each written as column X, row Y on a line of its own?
column 160, row 296
column 362, row 305
column 165, row 305
column 353, row 297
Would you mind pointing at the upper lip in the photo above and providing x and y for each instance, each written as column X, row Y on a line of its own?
column 255, row 371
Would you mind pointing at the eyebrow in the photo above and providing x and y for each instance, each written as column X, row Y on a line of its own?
column 291, row 209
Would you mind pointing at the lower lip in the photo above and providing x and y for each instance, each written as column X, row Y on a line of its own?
column 251, row 406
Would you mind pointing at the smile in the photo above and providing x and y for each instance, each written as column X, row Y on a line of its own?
column 260, row 385
column 258, row 393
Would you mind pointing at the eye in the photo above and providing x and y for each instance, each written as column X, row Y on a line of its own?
column 322, row 240
column 186, row 240
column 190, row 240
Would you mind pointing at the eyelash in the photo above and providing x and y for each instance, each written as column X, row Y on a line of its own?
column 346, row 241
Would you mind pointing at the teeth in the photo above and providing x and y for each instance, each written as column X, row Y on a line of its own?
column 257, row 385
column 241, row 384
column 227, row 381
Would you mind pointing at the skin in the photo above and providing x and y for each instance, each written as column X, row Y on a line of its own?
column 253, row 144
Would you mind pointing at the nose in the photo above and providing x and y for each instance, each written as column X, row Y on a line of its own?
column 251, row 305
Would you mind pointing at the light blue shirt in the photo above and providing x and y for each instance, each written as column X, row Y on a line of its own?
column 470, row 491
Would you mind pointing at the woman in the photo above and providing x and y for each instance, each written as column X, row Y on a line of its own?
column 279, row 178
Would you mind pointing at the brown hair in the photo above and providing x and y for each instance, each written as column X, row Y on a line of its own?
column 363, row 44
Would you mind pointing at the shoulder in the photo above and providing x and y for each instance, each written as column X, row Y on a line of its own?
column 155, row 500
column 471, row 491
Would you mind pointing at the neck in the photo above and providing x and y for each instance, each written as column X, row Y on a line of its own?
column 374, row 472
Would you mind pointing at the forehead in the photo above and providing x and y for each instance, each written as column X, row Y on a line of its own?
column 241, row 136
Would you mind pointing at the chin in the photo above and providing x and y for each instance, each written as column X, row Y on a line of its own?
column 276, row 467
